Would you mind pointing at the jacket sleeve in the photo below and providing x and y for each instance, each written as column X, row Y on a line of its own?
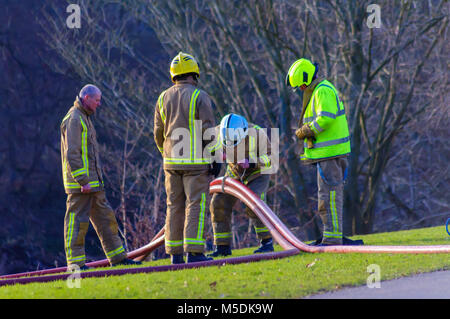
column 158, row 124
column 77, row 157
column 326, row 109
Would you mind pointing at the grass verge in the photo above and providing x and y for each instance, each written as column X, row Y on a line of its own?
column 292, row 277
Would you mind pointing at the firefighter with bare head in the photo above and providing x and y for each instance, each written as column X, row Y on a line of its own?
column 84, row 184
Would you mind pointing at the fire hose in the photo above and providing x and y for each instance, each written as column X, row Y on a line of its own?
column 284, row 237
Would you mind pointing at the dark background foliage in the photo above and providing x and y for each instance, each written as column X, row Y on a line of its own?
column 393, row 81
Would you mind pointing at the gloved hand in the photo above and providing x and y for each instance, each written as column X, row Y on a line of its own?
column 244, row 163
column 214, row 169
column 304, row 132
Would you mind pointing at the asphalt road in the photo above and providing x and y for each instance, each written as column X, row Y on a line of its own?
column 435, row 285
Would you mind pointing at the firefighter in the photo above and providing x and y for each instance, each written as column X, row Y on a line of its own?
column 324, row 131
column 84, row 185
column 246, row 149
column 182, row 114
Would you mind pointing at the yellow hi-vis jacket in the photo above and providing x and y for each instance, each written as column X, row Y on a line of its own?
column 79, row 151
column 325, row 115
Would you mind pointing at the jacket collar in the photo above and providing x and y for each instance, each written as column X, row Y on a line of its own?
column 307, row 96
column 309, row 91
column 80, row 106
column 186, row 81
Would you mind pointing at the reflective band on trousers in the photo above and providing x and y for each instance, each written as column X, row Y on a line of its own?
column 70, row 227
column 334, row 212
column 69, row 235
column 115, row 252
column 201, row 225
column 201, row 222
column 332, row 235
column 173, row 243
column 261, row 230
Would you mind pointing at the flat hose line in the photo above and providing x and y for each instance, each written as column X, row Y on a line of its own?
column 279, row 231
column 246, row 195
column 137, row 254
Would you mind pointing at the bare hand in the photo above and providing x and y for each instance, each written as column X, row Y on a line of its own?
column 86, row 188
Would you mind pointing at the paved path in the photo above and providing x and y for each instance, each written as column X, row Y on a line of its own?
column 435, row 285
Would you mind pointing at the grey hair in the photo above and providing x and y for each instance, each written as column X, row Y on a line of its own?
column 89, row 89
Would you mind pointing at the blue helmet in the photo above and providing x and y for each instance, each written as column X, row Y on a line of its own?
column 233, row 129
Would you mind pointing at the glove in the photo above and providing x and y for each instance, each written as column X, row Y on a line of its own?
column 244, row 163
column 304, row 132
column 214, row 169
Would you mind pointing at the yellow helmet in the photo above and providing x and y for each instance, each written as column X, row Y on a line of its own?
column 182, row 64
column 301, row 72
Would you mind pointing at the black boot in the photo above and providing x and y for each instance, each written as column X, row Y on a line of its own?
column 177, row 259
column 221, row 250
column 265, row 247
column 348, row 241
column 127, row 262
column 345, row 241
column 196, row 257
column 316, row 243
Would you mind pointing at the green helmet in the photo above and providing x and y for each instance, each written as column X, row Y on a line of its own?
column 301, row 72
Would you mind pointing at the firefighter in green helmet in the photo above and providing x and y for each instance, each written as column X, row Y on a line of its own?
column 324, row 131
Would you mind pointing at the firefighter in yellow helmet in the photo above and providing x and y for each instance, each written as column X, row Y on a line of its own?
column 324, row 131
column 182, row 114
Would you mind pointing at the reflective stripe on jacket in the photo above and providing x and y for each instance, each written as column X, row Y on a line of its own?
column 326, row 117
column 182, row 114
column 79, row 151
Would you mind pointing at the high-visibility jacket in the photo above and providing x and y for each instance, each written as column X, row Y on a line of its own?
column 256, row 148
column 326, row 117
column 182, row 114
column 79, row 151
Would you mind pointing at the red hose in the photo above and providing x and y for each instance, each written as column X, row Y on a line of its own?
column 118, row 272
column 285, row 238
column 144, row 250
column 237, row 189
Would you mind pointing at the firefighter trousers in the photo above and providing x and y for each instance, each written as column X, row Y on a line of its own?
column 221, row 212
column 331, row 175
column 81, row 208
column 187, row 194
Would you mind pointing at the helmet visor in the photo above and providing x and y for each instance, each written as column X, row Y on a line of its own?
column 232, row 136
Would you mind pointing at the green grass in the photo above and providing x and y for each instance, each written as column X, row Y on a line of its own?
column 292, row 277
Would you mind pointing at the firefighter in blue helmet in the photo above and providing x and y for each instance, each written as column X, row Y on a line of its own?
column 247, row 152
